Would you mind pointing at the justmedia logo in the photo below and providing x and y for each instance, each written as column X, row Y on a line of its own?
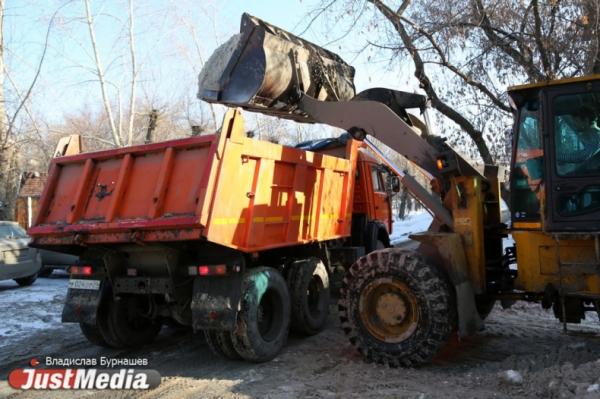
column 29, row 378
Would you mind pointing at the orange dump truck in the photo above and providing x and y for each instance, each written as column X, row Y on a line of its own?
column 230, row 235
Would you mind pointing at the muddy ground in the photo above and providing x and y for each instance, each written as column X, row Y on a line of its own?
column 525, row 339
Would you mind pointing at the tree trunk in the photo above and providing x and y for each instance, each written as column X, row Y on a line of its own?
column 5, row 144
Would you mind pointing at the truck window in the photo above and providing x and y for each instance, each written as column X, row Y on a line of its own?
column 376, row 179
column 528, row 164
column 577, row 149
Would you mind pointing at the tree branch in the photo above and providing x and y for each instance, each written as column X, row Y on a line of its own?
column 425, row 83
column 527, row 63
column 101, row 77
column 25, row 98
column 133, row 75
column 539, row 39
column 444, row 62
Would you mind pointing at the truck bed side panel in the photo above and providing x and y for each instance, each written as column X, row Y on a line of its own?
column 268, row 195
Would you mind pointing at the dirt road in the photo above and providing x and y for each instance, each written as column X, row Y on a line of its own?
column 525, row 339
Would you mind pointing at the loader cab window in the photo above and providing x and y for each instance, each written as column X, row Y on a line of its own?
column 576, row 134
column 528, row 168
column 576, row 119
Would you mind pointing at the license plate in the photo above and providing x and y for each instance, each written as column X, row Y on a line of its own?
column 84, row 284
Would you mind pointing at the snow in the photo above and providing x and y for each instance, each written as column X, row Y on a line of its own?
column 511, row 377
column 25, row 309
column 414, row 222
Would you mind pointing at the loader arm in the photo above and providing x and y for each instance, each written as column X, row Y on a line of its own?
column 373, row 118
column 431, row 202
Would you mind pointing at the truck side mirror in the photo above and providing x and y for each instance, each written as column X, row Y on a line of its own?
column 394, row 182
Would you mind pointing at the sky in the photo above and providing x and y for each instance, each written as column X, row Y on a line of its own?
column 173, row 38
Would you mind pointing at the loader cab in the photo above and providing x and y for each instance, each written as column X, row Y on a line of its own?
column 555, row 174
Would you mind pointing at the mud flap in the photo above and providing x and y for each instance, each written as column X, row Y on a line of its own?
column 447, row 249
column 81, row 305
column 216, row 302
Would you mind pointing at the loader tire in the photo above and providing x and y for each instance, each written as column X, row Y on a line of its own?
column 220, row 343
column 128, row 325
column 264, row 318
column 396, row 309
column 308, row 283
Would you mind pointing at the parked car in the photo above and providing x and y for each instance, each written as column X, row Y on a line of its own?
column 17, row 260
column 52, row 260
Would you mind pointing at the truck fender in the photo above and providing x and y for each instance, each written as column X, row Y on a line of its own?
column 446, row 250
column 82, row 305
column 216, row 302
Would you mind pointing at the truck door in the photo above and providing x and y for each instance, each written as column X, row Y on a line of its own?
column 381, row 202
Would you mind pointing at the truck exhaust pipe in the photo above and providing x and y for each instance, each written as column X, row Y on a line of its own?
column 265, row 69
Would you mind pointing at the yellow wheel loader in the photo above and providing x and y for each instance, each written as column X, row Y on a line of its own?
column 397, row 306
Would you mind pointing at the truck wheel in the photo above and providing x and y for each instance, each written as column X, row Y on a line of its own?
column 264, row 319
column 396, row 309
column 220, row 343
column 26, row 281
column 309, row 290
column 128, row 322
column 93, row 335
column 371, row 237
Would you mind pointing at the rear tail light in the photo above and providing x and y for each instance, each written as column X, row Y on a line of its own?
column 81, row 270
column 208, row 270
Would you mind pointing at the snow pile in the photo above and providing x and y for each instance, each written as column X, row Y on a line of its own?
column 210, row 75
column 511, row 377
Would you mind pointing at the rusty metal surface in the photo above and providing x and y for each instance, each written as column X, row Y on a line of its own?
column 389, row 309
column 265, row 69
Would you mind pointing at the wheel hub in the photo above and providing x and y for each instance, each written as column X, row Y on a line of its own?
column 389, row 310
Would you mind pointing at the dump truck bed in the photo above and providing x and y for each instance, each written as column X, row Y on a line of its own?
column 228, row 189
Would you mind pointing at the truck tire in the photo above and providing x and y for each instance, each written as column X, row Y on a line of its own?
column 396, row 309
column 308, row 283
column 93, row 335
column 371, row 237
column 128, row 325
column 220, row 343
column 264, row 319
column 100, row 333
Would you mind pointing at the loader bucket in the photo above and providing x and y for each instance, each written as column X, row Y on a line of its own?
column 264, row 69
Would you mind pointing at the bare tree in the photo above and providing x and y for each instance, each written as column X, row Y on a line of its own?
column 132, row 97
column 101, row 76
column 465, row 53
column 11, row 138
